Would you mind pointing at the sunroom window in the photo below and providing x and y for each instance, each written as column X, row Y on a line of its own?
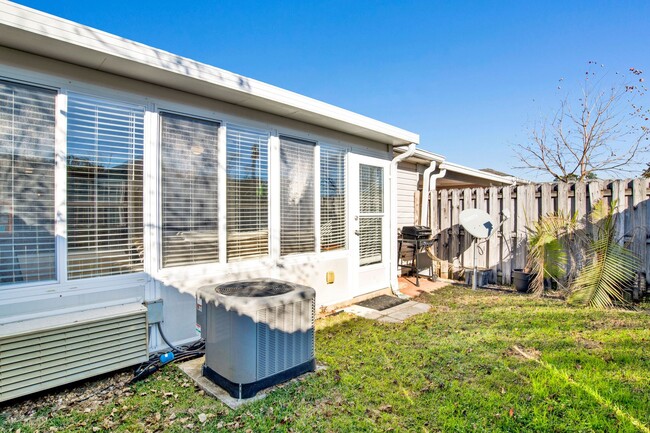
column 27, row 240
column 190, row 222
column 104, row 187
column 247, row 168
column 297, row 226
column 332, row 198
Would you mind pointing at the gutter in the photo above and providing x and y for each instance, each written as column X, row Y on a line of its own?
column 393, row 256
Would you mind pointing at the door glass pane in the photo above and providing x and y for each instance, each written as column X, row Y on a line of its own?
column 371, row 189
column 370, row 240
column 371, row 203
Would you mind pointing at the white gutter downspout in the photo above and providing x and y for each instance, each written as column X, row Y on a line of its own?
column 393, row 268
column 429, row 185
column 424, row 206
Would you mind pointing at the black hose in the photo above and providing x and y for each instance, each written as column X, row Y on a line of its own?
column 162, row 334
column 183, row 353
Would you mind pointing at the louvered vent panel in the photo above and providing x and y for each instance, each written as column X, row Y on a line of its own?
column 281, row 344
column 32, row 362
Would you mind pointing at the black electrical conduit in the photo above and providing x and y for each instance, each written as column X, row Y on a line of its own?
column 146, row 369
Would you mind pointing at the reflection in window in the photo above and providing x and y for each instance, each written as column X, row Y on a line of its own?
column 297, row 228
column 190, row 221
column 27, row 242
column 104, row 178
column 247, row 168
column 332, row 199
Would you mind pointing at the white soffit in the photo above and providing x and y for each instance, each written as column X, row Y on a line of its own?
column 36, row 32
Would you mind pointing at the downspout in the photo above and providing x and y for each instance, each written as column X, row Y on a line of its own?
column 429, row 185
column 393, row 220
column 424, row 206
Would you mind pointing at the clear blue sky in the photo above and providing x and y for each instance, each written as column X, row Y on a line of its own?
column 469, row 77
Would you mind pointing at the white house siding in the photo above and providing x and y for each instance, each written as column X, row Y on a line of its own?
column 407, row 186
column 176, row 286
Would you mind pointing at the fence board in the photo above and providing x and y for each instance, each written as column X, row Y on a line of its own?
column 506, row 238
column 466, row 246
column 520, row 228
column 444, row 234
column 580, row 202
column 546, row 201
column 493, row 242
column 482, row 252
column 455, row 231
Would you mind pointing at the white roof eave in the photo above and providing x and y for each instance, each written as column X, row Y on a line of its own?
column 36, row 32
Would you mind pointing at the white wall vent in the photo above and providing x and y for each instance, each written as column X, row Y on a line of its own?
column 257, row 333
column 43, row 353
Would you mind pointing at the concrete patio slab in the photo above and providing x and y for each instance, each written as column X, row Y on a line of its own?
column 396, row 314
column 407, row 286
column 194, row 369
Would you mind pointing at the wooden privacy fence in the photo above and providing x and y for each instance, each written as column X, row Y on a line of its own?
column 506, row 250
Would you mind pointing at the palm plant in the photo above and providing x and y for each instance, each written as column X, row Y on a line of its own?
column 547, row 249
column 609, row 266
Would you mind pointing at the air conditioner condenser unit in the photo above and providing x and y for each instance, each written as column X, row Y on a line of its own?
column 257, row 333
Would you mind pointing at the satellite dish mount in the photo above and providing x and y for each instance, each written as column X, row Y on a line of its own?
column 479, row 224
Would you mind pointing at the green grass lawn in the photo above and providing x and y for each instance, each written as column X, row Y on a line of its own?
column 478, row 361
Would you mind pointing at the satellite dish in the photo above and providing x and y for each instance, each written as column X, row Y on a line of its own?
column 477, row 222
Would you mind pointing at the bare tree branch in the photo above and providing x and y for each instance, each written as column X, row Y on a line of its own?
column 605, row 131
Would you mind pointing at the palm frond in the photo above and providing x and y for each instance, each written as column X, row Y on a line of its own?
column 610, row 266
column 547, row 256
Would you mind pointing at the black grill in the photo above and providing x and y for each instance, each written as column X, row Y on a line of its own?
column 416, row 232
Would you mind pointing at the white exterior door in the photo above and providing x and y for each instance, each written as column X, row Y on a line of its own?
column 369, row 214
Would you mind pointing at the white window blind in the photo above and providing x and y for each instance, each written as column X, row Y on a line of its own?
column 104, row 187
column 247, row 203
column 190, row 222
column 371, row 208
column 297, row 228
column 332, row 199
column 27, row 242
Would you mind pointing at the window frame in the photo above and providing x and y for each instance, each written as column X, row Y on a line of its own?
column 269, row 214
column 315, row 191
column 122, row 100
column 58, row 250
column 158, row 189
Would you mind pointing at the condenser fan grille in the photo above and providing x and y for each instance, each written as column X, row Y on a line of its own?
column 254, row 289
